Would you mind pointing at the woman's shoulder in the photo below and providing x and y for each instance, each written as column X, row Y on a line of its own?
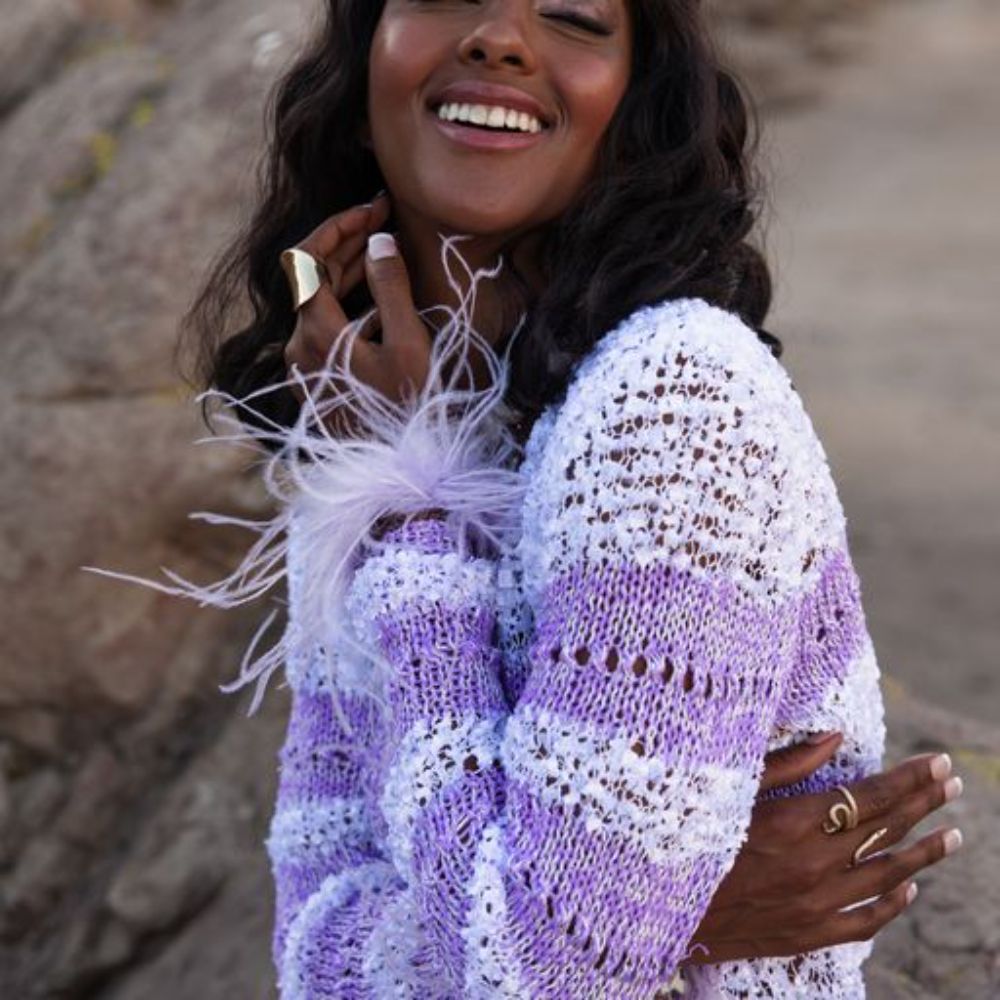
column 686, row 386
column 689, row 356
column 682, row 337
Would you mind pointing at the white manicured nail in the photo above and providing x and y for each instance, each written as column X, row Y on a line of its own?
column 911, row 893
column 952, row 841
column 381, row 246
column 941, row 767
column 952, row 788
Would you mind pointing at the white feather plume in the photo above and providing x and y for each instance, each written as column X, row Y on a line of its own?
column 449, row 446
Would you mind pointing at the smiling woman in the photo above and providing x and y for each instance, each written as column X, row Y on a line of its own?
column 565, row 64
column 569, row 588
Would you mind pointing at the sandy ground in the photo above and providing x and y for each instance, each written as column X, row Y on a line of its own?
column 887, row 242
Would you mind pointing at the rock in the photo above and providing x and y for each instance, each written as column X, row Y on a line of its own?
column 780, row 47
column 35, row 886
column 33, row 39
column 180, row 861
column 65, row 137
column 31, row 803
column 91, row 951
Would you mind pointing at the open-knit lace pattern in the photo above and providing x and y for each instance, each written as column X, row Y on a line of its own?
column 575, row 734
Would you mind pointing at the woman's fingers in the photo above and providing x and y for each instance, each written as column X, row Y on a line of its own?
column 862, row 923
column 346, row 262
column 402, row 361
column 883, row 874
column 880, row 794
column 339, row 243
column 899, row 820
column 330, row 234
column 796, row 763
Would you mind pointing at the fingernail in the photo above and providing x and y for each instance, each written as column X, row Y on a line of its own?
column 381, row 246
column 814, row 739
column 952, row 788
column 941, row 767
column 911, row 893
column 952, row 841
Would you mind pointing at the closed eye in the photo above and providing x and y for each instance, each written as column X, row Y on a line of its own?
column 579, row 21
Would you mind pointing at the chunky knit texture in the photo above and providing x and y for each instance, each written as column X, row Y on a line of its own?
column 573, row 734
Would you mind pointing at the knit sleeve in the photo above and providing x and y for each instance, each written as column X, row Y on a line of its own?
column 322, row 823
column 570, row 846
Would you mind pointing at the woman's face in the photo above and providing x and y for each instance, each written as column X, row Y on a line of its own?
column 546, row 75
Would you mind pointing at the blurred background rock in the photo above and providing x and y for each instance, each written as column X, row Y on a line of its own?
column 134, row 798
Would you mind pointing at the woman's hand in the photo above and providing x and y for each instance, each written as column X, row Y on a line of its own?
column 790, row 881
column 346, row 245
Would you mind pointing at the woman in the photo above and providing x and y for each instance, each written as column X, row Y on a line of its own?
column 549, row 614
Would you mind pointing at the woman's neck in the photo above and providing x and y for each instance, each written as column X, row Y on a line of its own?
column 420, row 242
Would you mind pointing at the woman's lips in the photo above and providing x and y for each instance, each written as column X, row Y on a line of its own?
column 475, row 137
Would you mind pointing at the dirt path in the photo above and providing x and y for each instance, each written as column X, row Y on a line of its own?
column 887, row 238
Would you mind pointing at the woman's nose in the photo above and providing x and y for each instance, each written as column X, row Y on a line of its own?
column 499, row 39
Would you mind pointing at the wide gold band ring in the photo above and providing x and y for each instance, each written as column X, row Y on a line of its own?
column 305, row 275
column 842, row 815
column 866, row 843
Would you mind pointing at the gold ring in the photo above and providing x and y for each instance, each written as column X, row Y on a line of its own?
column 873, row 839
column 305, row 274
column 842, row 816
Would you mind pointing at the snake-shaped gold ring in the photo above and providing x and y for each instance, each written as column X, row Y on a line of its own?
column 868, row 842
column 842, row 815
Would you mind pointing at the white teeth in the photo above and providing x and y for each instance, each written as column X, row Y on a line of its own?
column 492, row 116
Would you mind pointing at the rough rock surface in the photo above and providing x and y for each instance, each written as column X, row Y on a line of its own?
column 133, row 797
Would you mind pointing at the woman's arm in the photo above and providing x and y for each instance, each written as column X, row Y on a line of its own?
column 322, row 823
column 573, row 847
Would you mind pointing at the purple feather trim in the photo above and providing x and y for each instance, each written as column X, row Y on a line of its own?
column 448, row 446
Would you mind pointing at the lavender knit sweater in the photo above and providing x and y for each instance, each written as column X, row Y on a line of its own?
column 570, row 736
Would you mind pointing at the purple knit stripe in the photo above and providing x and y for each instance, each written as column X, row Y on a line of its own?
column 443, row 661
column 320, row 759
column 832, row 631
column 823, row 780
column 620, row 877
column 710, row 662
column 431, row 536
column 443, row 859
column 295, row 883
column 546, row 956
column 335, row 970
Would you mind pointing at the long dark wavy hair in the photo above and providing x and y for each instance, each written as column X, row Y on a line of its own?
column 668, row 213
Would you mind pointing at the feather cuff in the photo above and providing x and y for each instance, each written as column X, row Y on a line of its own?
column 449, row 447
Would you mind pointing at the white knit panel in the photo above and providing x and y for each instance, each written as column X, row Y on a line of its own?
column 397, row 963
column 704, row 458
column 431, row 757
column 833, row 974
column 390, row 581
column 492, row 971
column 314, row 833
column 691, row 811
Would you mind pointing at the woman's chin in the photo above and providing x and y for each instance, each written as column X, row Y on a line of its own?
column 479, row 218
